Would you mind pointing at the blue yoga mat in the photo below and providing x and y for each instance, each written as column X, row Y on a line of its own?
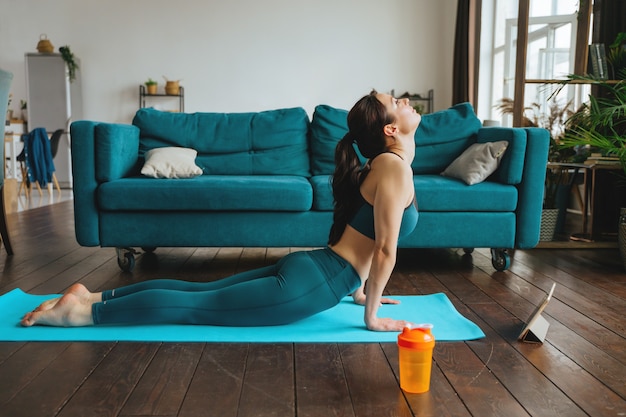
column 342, row 323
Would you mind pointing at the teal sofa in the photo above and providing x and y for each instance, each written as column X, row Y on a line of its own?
column 266, row 182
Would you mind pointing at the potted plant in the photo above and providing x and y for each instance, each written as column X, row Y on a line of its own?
column 172, row 87
column 151, row 86
column 617, row 54
column 70, row 61
column 558, row 179
column 600, row 125
column 23, row 107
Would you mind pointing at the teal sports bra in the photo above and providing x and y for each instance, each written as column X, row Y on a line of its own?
column 363, row 220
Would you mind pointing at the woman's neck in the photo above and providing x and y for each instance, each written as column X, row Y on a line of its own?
column 404, row 148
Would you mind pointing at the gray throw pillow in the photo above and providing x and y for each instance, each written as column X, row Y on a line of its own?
column 477, row 162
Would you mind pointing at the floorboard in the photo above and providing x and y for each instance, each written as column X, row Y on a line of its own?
column 580, row 369
column 217, row 384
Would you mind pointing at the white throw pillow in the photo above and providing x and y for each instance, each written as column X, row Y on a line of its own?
column 171, row 162
column 477, row 162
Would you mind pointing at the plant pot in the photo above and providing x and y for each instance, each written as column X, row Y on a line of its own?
column 151, row 89
column 172, row 88
column 621, row 234
column 44, row 46
column 549, row 219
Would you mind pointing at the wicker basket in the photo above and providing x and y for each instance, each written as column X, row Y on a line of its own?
column 44, row 46
column 548, row 224
column 172, row 88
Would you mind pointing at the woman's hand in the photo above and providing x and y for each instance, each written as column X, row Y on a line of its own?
column 387, row 325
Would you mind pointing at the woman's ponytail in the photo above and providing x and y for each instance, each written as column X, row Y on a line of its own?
column 345, row 183
column 366, row 122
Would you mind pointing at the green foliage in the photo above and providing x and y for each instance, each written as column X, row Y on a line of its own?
column 600, row 124
column 70, row 61
column 554, row 121
column 616, row 55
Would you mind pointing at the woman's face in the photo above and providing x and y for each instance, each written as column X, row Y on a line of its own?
column 406, row 119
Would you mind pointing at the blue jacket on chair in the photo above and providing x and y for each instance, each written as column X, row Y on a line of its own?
column 38, row 156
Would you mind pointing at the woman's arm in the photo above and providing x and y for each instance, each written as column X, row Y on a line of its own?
column 393, row 191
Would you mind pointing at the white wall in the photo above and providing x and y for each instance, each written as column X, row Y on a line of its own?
column 238, row 55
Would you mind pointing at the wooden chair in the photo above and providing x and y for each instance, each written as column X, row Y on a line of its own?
column 26, row 184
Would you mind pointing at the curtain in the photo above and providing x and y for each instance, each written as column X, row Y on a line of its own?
column 466, row 52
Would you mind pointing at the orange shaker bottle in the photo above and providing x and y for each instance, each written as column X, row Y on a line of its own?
column 415, row 348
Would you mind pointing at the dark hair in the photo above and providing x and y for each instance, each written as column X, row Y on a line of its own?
column 366, row 121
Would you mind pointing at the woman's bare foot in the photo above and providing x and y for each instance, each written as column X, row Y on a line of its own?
column 78, row 290
column 68, row 311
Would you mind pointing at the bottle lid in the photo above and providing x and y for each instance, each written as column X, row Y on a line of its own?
column 417, row 337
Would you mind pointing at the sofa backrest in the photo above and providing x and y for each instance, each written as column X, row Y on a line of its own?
column 440, row 138
column 270, row 142
column 328, row 126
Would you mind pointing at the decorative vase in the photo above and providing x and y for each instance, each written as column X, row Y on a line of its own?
column 621, row 234
column 549, row 219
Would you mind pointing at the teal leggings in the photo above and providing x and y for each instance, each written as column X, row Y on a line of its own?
column 299, row 285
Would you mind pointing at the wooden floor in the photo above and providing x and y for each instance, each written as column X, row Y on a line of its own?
column 579, row 371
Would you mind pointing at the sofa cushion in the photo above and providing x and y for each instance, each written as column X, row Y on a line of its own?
column 442, row 136
column 328, row 126
column 208, row 193
column 437, row 193
column 270, row 142
column 116, row 151
column 322, row 192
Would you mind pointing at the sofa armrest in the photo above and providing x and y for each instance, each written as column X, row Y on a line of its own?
column 100, row 152
column 86, row 222
column 531, row 189
column 524, row 165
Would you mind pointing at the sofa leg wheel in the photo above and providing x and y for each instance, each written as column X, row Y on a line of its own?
column 148, row 249
column 467, row 251
column 500, row 259
column 125, row 259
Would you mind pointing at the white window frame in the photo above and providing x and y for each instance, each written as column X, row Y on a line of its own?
column 549, row 24
column 502, row 86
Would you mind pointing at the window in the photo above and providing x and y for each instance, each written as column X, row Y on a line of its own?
column 550, row 52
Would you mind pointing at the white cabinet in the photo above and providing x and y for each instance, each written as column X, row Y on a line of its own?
column 53, row 103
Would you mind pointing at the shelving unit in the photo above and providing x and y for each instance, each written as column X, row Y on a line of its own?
column 143, row 95
column 428, row 99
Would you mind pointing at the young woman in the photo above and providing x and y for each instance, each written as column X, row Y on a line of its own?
column 374, row 206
